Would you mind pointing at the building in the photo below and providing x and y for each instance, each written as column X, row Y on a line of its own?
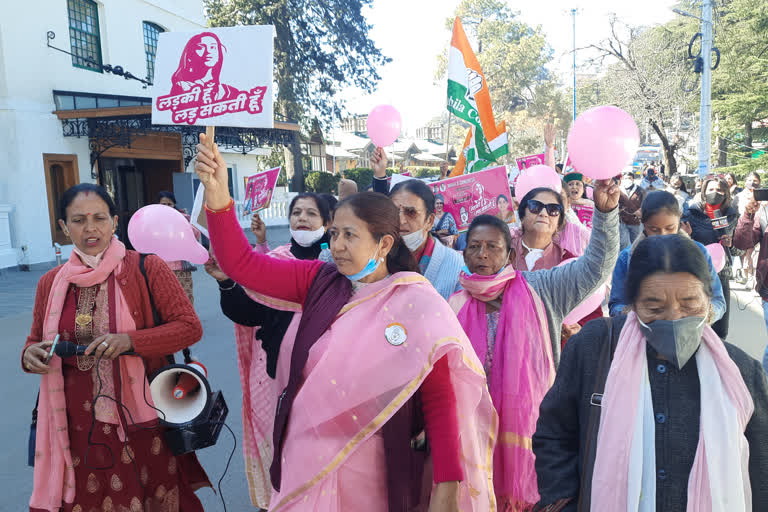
column 75, row 103
column 356, row 124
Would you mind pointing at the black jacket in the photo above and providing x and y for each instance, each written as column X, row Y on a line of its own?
column 561, row 431
column 703, row 232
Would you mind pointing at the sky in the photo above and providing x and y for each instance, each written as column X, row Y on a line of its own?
column 413, row 33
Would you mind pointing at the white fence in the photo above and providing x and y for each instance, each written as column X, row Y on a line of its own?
column 276, row 214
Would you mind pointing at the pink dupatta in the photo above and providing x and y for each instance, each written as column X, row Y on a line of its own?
column 356, row 380
column 522, row 372
column 54, row 475
column 719, row 479
column 258, row 406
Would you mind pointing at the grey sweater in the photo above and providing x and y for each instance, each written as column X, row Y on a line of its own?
column 563, row 288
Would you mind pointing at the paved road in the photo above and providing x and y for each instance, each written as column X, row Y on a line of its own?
column 217, row 351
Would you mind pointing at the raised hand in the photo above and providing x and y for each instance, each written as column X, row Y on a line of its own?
column 606, row 195
column 549, row 134
column 212, row 267
column 258, row 228
column 212, row 171
column 379, row 163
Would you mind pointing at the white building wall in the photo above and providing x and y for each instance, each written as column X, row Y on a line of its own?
column 30, row 71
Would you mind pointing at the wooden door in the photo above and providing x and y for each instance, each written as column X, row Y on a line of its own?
column 61, row 173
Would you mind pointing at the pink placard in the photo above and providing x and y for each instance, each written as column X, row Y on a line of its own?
column 531, row 160
column 259, row 189
column 469, row 195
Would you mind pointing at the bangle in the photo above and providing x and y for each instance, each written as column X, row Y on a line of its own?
column 223, row 210
column 227, row 289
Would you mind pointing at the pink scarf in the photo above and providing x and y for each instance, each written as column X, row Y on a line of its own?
column 330, row 447
column 258, row 405
column 719, row 478
column 54, row 475
column 522, row 372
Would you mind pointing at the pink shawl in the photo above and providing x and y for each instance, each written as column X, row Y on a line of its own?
column 258, row 406
column 522, row 372
column 54, row 475
column 355, row 381
column 719, row 478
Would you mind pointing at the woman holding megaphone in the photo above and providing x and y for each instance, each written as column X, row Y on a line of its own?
column 372, row 358
column 98, row 445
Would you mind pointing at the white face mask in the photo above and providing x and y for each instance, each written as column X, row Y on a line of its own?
column 306, row 238
column 414, row 240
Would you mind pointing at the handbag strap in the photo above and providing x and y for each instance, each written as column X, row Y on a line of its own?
column 593, row 424
column 34, row 411
column 155, row 315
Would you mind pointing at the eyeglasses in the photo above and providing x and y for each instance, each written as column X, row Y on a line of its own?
column 410, row 212
column 535, row 207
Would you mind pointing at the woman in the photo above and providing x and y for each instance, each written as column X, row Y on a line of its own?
column 713, row 220
column 256, row 318
column 746, row 268
column 513, row 320
column 200, row 66
column 584, row 208
column 182, row 269
column 505, row 214
column 660, row 216
column 439, row 264
column 308, row 219
column 629, row 208
column 445, row 225
column 91, row 454
column 677, row 188
column 733, row 184
column 344, row 420
column 652, row 409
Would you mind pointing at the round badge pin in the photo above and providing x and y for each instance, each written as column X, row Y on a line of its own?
column 395, row 334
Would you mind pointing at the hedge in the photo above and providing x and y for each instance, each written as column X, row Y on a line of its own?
column 745, row 168
column 321, row 182
column 363, row 176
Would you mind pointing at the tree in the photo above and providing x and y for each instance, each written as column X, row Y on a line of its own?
column 321, row 47
column 513, row 56
column 647, row 66
column 740, row 84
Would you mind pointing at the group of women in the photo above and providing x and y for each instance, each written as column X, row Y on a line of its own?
column 394, row 373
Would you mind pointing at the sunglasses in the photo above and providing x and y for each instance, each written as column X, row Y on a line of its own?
column 535, row 207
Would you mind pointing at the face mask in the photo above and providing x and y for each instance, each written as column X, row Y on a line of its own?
column 368, row 269
column 675, row 340
column 627, row 183
column 307, row 238
column 414, row 240
column 749, row 186
column 714, row 198
column 676, row 186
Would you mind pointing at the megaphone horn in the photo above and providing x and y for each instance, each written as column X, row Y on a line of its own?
column 181, row 392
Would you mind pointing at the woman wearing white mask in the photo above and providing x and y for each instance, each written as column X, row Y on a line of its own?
column 308, row 218
column 438, row 263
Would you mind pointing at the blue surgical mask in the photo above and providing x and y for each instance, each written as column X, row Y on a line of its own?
column 465, row 268
column 368, row 269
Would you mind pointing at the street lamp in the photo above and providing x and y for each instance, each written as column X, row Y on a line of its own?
column 705, row 111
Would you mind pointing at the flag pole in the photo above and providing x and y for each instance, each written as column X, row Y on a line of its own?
column 447, row 136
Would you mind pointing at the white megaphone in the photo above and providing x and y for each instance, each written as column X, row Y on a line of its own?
column 192, row 414
column 172, row 393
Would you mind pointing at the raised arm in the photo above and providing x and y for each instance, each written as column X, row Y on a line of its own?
column 287, row 280
column 281, row 279
column 563, row 288
column 748, row 230
column 379, row 165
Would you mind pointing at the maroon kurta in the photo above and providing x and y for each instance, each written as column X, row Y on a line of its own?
column 155, row 480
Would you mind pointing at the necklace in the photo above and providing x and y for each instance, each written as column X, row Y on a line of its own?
column 86, row 301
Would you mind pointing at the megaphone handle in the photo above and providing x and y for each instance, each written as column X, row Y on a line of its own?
column 187, row 356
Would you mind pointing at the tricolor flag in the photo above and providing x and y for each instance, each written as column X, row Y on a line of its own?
column 470, row 100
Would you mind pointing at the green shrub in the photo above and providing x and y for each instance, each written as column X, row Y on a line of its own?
column 321, row 182
column 741, row 170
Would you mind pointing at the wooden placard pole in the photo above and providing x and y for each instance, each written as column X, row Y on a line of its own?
column 210, row 135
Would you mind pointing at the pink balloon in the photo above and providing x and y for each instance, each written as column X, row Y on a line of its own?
column 603, row 141
column 588, row 305
column 717, row 253
column 535, row 177
column 384, row 124
column 164, row 231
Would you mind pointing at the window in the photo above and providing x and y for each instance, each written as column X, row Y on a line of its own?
column 60, row 173
column 151, row 32
column 84, row 34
